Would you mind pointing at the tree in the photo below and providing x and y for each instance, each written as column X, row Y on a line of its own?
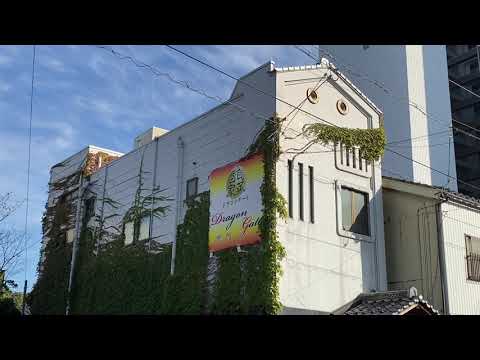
column 11, row 250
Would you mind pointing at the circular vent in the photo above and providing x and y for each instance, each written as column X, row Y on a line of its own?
column 312, row 96
column 342, row 107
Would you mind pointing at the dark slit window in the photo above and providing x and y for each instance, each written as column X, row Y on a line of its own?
column 290, row 188
column 312, row 194
column 300, row 190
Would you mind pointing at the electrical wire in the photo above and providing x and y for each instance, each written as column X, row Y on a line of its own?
column 314, row 116
column 389, row 92
column 28, row 173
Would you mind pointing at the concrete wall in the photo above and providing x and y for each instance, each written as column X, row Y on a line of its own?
column 416, row 77
column 463, row 294
column 324, row 270
column 411, row 241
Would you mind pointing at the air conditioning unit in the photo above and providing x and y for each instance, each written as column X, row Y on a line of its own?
column 148, row 136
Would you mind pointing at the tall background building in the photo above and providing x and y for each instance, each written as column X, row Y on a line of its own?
column 463, row 70
column 410, row 84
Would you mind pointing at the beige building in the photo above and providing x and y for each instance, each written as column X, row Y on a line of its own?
column 432, row 241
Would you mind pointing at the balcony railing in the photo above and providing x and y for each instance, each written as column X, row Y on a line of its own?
column 473, row 267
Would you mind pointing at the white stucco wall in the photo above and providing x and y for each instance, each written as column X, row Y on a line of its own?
column 323, row 270
column 415, row 76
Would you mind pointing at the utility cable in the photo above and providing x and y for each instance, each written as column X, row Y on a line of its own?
column 28, row 180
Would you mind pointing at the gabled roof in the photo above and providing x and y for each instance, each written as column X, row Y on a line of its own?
column 387, row 303
column 324, row 63
column 435, row 191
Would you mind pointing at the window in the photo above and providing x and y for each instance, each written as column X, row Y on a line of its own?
column 312, row 194
column 192, row 187
column 128, row 232
column 351, row 160
column 144, row 228
column 300, row 190
column 354, row 206
column 89, row 209
column 473, row 257
column 290, row 188
column 70, row 235
column 473, row 66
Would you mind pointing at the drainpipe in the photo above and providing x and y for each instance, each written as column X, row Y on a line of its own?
column 441, row 254
column 81, row 190
column 180, row 146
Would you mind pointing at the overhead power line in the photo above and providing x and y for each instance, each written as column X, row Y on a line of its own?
column 390, row 150
column 248, row 84
column 28, row 182
column 384, row 88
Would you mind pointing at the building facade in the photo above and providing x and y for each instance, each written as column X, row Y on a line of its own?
column 463, row 69
column 410, row 82
column 333, row 237
column 433, row 244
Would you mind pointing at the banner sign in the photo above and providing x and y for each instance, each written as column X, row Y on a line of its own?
column 235, row 203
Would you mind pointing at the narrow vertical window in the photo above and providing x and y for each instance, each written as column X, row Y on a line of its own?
column 312, row 195
column 290, row 188
column 300, row 190
column 192, row 188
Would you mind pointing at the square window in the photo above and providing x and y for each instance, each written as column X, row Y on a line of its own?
column 192, row 187
column 354, row 205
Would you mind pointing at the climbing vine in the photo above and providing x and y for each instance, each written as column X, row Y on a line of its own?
column 371, row 142
column 247, row 282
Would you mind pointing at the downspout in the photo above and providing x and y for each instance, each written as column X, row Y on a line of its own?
column 180, row 146
column 75, row 242
column 441, row 255
column 154, row 182
column 420, row 247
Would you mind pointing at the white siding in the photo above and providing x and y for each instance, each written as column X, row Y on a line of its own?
column 463, row 294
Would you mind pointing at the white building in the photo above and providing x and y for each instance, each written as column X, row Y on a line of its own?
column 408, row 81
column 433, row 243
column 330, row 258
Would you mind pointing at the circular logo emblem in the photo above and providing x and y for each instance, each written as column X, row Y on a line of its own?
column 235, row 182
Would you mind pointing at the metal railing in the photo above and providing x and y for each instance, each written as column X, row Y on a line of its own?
column 473, row 267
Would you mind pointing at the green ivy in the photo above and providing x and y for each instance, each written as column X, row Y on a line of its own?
column 136, row 279
column 49, row 294
column 247, row 282
column 370, row 141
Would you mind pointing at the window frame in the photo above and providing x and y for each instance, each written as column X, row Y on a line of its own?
column 468, row 253
column 290, row 188
column 301, row 207
column 187, row 196
column 349, row 234
column 125, row 233
column 311, row 181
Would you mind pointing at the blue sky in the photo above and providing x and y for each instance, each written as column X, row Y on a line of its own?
column 86, row 96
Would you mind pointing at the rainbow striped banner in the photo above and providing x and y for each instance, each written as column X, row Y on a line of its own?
column 235, row 203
